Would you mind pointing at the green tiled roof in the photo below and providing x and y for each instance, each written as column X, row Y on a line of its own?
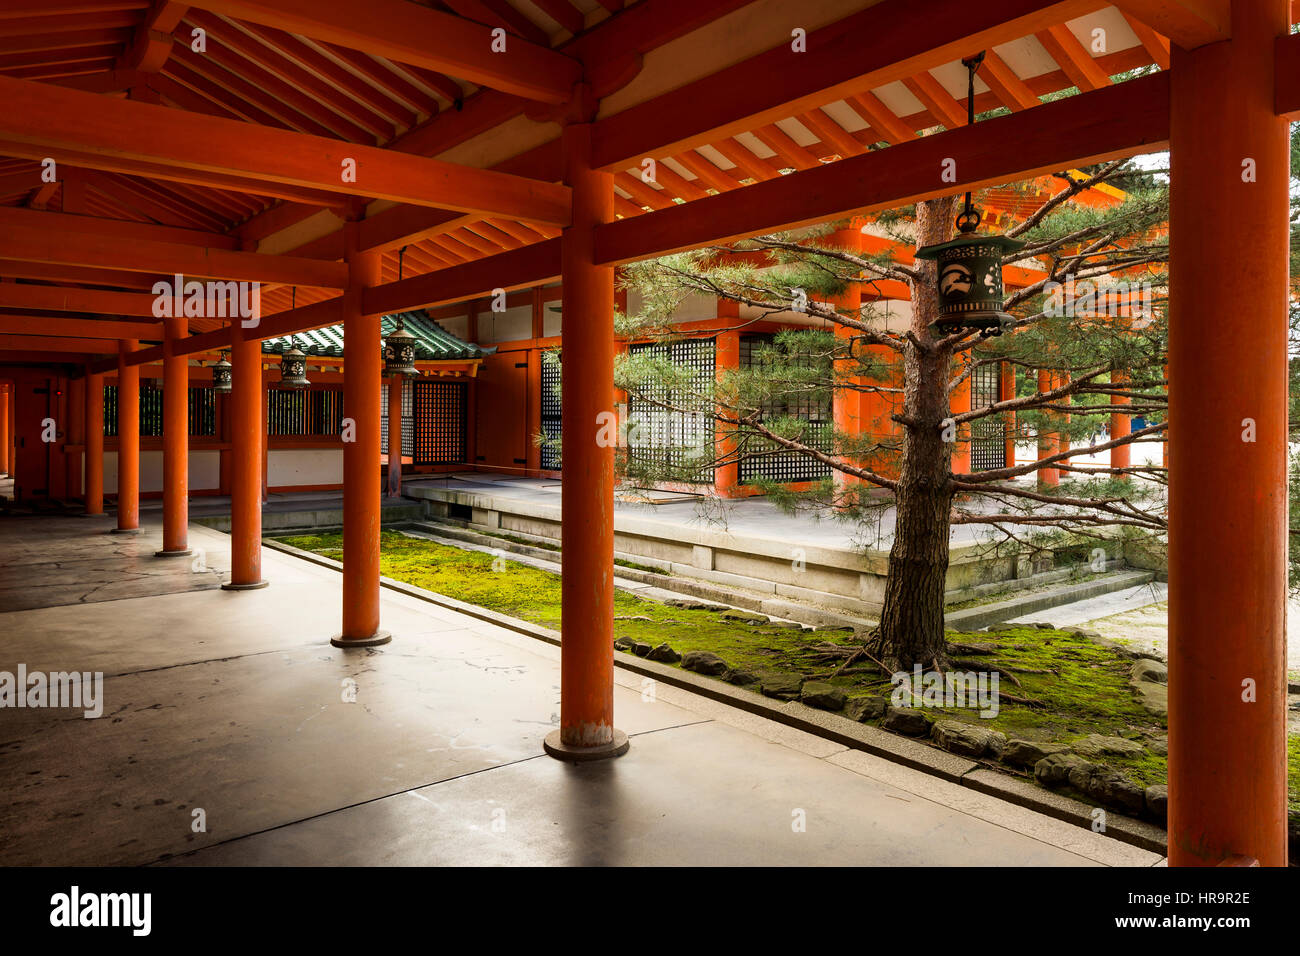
column 433, row 343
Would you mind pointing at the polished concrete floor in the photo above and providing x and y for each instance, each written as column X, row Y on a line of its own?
column 234, row 733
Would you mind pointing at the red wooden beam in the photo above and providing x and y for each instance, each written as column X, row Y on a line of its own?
column 301, row 319
column 119, row 229
column 40, row 120
column 889, row 41
column 1286, row 76
column 49, row 298
column 82, row 328
column 406, row 33
column 42, row 343
column 30, row 244
column 215, row 341
column 1189, row 23
column 1126, row 119
column 57, row 272
column 516, row 269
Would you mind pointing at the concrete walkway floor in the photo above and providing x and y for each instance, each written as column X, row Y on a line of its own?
column 233, row 709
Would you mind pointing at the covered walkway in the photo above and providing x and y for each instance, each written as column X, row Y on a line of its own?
column 233, row 704
column 511, row 168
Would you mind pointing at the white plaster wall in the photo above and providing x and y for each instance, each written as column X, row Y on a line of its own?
column 304, row 466
column 508, row 326
column 205, row 470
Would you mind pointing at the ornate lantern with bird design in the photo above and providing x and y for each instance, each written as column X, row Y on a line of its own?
column 970, row 266
column 293, row 367
column 399, row 352
column 221, row 378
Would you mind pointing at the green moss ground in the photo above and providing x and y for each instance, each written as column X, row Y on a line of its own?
column 1086, row 690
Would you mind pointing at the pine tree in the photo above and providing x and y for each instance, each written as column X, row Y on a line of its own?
column 761, row 411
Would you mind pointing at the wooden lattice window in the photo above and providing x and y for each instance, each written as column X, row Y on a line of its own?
column 551, row 415
column 775, row 465
column 312, row 412
column 674, row 438
column 408, row 417
column 439, row 423
column 203, row 410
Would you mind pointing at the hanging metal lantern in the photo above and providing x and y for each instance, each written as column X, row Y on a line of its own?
column 970, row 266
column 399, row 352
column 293, row 367
column 221, row 375
column 970, row 277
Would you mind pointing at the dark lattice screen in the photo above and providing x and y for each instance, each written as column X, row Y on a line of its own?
column 988, row 448
column 304, row 411
column 203, row 410
column 760, row 349
column 438, row 419
column 408, row 417
column 550, row 405
column 669, row 437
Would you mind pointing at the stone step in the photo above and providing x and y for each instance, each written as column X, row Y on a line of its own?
column 986, row 615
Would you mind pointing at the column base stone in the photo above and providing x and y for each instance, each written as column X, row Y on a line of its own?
column 554, row 746
column 255, row 586
column 374, row 640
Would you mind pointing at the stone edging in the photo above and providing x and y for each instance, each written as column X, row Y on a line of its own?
column 907, row 751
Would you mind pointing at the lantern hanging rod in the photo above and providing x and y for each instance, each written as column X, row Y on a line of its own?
column 972, row 64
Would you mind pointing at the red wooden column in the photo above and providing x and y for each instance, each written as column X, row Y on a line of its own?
column 176, row 444
column 587, row 496
column 1063, row 442
column 128, row 441
column 94, row 444
column 362, row 378
column 726, row 478
column 4, row 429
column 959, row 402
column 247, row 436
column 1007, row 391
column 1121, row 425
column 1227, row 452
column 394, row 475
column 1047, row 477
column 847, row 404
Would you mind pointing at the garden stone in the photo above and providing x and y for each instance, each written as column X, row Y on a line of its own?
column 1154, row 697
column 623, row 644
column 1116, row 790
column 822, row 696
column 1054, row 769
column 1154, row 671
column 688, row 605
column 1026, row 753
column 781, row 686
column 641, row 648
column 740, row 677
column 1157, row 801
column 748, row 617
column 967, row 740
column 865, row 708
column 704, row 662
column 664, row 653
column 905, row 720
column 1097, row 745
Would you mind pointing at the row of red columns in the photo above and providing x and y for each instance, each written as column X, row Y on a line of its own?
column 5, row 465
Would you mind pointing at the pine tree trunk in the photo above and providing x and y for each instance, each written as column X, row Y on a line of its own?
column 911, row 622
